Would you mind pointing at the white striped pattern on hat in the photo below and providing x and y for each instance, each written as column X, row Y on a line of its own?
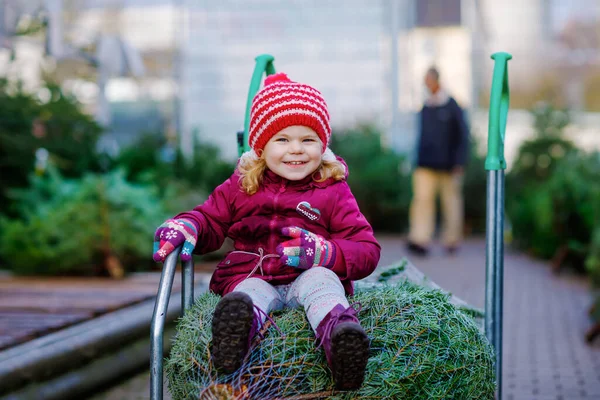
column 283, row 103
column 293, row 111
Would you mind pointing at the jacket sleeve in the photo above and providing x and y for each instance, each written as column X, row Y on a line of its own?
column 357, row 249
column 214, row 217
column 461, row 153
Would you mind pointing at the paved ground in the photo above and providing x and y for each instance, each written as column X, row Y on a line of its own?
column 545, row 356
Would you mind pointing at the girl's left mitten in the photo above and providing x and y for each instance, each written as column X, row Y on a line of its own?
column 306, row 249
column 173, row 233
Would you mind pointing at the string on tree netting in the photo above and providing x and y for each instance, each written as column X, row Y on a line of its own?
column 422, row 347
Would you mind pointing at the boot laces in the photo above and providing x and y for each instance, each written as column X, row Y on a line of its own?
column 258, row 312
column 349, row 313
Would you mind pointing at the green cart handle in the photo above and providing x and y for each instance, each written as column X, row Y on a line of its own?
column 499, row 100
column 264, row 64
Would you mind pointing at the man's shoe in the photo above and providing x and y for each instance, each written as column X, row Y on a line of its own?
column 451, row 249
column 417, row 249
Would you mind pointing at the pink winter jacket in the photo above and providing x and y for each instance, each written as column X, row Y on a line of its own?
column 254, row 224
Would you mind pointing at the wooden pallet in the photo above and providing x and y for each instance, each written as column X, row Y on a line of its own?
column 33, row 307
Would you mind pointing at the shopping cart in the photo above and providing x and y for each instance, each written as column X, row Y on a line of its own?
column 495, row 164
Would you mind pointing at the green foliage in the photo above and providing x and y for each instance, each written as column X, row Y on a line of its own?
column 150, row 159
column 553, row 198
column 179, row 196
column 537, row 158
column 422, row 347
column 564, row 212
column 575, row 192
column 59, row 126
column 530, row 207
column 206, row 169
column 550, row 121
column 379, row 178
column 74, row 226
column 592, row 261
column 531, row 219
column 141, row 160
column 392, row 272
column 536, row 161
column 475, row 182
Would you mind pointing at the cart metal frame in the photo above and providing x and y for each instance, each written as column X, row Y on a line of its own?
column 495, row 164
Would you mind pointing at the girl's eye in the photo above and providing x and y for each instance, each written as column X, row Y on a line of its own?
column 309, row 140
column 281, row 140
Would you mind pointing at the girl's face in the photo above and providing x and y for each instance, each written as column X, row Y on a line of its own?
column 294, row 152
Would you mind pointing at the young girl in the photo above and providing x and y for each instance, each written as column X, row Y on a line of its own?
column 299, row 236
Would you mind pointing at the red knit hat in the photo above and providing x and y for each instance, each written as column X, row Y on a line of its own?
column 282, row 103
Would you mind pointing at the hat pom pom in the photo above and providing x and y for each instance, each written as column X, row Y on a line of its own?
column 278, row 77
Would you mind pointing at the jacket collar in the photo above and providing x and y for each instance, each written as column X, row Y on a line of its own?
column 270, row 178
column 440, row 98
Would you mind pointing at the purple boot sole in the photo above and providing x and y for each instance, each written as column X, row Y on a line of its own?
column 231, row 329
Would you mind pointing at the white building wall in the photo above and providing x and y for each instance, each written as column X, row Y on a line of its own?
column 336, row 47
column 449, row 49
column 342, row 48
column 520, row 28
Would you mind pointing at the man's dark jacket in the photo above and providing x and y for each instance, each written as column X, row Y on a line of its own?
column 444, row 137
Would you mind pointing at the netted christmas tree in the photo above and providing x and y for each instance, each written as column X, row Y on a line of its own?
column 422, row 347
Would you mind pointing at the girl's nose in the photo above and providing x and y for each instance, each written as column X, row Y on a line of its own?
column 296, row 146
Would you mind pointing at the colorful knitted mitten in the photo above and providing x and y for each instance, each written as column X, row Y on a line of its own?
column 306, row 249
column 172, row 234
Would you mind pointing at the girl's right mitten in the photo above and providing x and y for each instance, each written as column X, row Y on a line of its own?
column 172, row 234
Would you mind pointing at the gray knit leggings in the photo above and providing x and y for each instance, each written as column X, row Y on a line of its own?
column 318, row 290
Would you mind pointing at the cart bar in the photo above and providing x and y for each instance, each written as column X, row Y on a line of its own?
column 187, row 285
column 264, row 64
column 495, row 164
column 499, row 101
column 157, row 327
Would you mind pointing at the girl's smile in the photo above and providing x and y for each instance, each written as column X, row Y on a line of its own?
column 294, row 152
column 294, row 164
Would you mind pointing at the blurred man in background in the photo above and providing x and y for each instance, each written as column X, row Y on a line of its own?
column 442, row 151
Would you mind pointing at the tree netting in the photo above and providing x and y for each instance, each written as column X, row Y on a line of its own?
column 422, row 347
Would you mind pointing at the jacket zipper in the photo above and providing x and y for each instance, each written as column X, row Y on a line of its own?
column 274, row 218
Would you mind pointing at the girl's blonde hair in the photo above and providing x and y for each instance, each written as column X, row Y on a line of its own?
column 252, row 170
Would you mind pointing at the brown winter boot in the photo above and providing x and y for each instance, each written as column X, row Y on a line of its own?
column 234, row 325
column 346, row 347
